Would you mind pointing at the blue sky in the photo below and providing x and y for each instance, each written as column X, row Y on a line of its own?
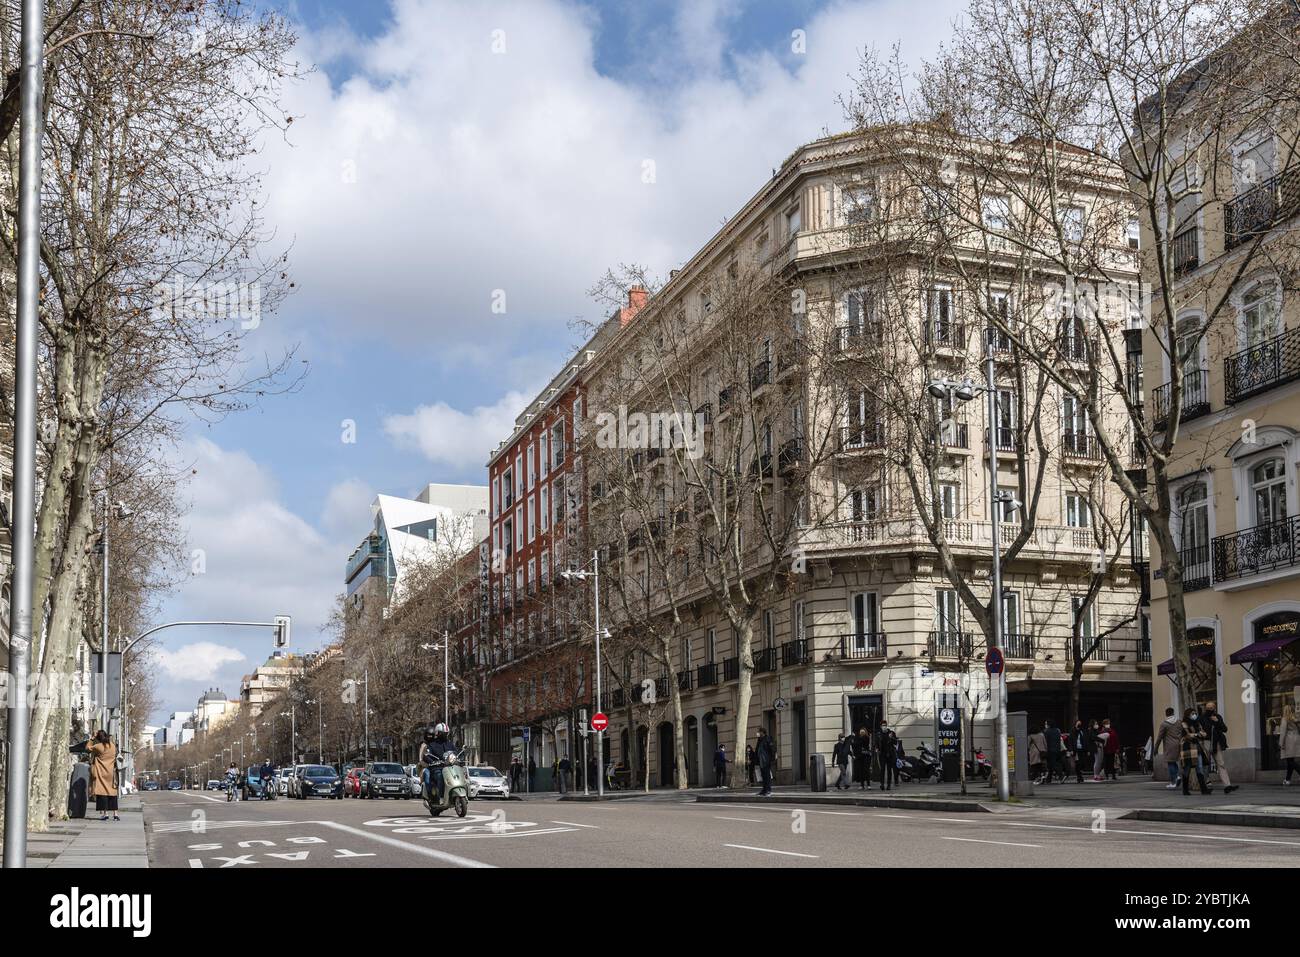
column 445, row 153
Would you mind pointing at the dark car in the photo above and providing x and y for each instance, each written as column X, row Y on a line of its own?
column 318, row 780
column 151, row 785
column 173, row 785
column 384, row 780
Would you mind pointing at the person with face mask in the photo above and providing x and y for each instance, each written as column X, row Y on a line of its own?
column 436, row 744
column 1216, row 730
column 887, row 751
column 1190, row 752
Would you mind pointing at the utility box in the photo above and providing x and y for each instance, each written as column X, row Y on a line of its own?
column 817, row 772
column 1018, row 753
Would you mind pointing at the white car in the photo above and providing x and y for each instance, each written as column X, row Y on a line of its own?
column 413, row 772
column 487, row 781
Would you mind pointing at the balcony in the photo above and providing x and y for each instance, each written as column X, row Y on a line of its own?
column 949, row 644
column 730, row 669
column 706, row 675
column 726, row 398
column 864, row 646
column 1262, row 367
column 1196, row 568
column 704, row 414
column 790, row 457
column 1196, row 399
column 1074, row 348
column 1260, row 208
column 1254, row 551
column 794, row 653
column 1185, row 251
column 945, row 335
column 1081, row 445
column 1018, row 646
column 866, row 435
column 859, row 338
column 1005, row 439
column 955, row 435
column 684, row 680
column 761, row 375
column 764, row 661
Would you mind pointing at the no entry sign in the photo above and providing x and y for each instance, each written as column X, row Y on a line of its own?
column 599, row 722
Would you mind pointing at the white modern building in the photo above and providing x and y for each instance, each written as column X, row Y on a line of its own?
column 178, row 730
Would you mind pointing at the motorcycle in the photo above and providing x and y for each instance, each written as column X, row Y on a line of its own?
column 921, row 768
column 982, row 767
column 455, row 784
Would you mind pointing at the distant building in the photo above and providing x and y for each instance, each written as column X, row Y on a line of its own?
column 178, row 730
column 213, row 710
column 269, row 679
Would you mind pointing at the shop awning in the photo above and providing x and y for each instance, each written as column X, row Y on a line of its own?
column 1167, row 667
column 1261, row 650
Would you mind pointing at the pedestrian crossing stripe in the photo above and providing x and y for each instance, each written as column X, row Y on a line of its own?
column 178, row 827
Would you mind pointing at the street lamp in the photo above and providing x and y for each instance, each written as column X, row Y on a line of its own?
column 964, row 391
column 445, row 648
column 570, row 574
column 293, row 734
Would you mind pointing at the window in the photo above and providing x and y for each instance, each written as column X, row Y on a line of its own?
column 866, row 619
column 509, row 527
column 546, row 568
column 1072, row 224
column 530, row 475
column 1133, row 234
column 769, row 629
column 543, row 501
column 949, row 499
column 1268, row 484
column 1078, row 511
column 864, row 504
column 939, row 310
column 543, row 460
column 1011, row 613
column 519, row 475
column 684, row 651
column 1074, row 419
column 710, row 645
column 532, row 517
column 996, row 213
column 857, row 205
column 793, row 221
column 947, row 612
column 1007, row 512
column 1006, row 419
column 557, row 444
column 1086, row 618
column 496, row 496
column 519, row 527
column 860, row 315
column 1255, row 163
column 938, row 201
column 508, row 483
column 798, row 630
column 1190, row 346
column 1260, row 315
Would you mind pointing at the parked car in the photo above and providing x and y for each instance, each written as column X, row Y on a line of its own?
column 151, row 785
column 282, row 777
column 213, row 785
column 386, row 780
column 353, row 785
column 485, row 780
column 252, row 782
column 413, row 772
column 291, row 788
column 173, row 785
column 318, row 780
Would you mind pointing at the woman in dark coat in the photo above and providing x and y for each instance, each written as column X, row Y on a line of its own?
column 862, row 759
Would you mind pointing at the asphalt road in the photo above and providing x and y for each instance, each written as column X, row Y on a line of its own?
column 194, row 829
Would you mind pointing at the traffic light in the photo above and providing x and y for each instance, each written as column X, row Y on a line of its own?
column 282, row 625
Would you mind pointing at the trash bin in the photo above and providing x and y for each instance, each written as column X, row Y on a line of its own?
column 817, row 772
column 78, row 790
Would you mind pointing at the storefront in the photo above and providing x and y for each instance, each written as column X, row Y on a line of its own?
column 1200, row 644
column 1273, row 660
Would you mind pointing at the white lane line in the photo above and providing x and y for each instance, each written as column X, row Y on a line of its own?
column 412, row 848
column 971, row 840
column 838, row 813
column 768, row 850
column 595, row 827
column 195, row 862
column 1120, row 830
column 749, row 820
column 952, row 820
column 896, row 817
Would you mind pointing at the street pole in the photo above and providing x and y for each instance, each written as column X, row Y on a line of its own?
column 31, row 79
column 366, row 705
column 320, row 729
column 600, row 749
column 103, row 642
column 446, row 693
column 1000, row 720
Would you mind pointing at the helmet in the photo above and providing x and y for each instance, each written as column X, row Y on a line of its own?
column 440, row 729
column 428, row 734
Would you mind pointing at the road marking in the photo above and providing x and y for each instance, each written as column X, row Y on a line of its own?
column 840, row 813
column 571, row 824
column 952, row 820
column 1120, row 830
column 195, row 862
column 179, row 827
column 749, row 820
column 443, row 856
column 972, row 840
column 768, row 850
column 896, row 817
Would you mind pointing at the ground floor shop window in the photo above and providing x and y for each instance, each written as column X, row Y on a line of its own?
column 1278, row 677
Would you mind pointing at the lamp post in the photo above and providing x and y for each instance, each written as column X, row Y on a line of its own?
column 293, row 734
column 965, row 391
column 581, row 575
column 446, row 677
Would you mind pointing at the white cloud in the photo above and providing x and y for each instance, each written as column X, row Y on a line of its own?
column 200, row 661
column 347, row 505
column 447, row 436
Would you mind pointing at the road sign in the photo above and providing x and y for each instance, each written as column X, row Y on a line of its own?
column 599, row 721
column 993, row 663
column 780, row 704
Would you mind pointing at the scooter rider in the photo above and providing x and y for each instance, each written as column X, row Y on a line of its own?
column 436, row 745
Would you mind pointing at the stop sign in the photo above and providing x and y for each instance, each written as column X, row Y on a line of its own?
column 599, row 722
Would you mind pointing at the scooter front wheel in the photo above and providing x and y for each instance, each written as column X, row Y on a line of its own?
column 462, row 806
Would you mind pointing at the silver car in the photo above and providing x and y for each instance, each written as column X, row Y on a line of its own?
column 487, row 781
column 416, row 785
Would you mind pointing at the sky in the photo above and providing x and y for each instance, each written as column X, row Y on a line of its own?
column 449, row 156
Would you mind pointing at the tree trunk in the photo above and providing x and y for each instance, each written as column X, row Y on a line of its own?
column 744, row 689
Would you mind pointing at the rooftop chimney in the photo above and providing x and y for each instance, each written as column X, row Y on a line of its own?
column 637, row 296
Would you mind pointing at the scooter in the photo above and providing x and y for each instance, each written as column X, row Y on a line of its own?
column 455, row 784
column 921, row 768
column 981, row 766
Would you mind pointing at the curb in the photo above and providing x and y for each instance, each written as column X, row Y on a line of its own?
column 609, row 796
column 914, row 803
column 1227, row 818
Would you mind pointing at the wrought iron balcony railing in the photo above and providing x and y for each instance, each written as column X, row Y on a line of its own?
column 764, row 660
column 1196, row 567
column 1252, row 551
column 706, row 675
column 1196, row 398
column 863, row 646
column 794, row 653
column 955, row 435
column 1185, row 251
column 1262, row 367
column 949, row 644
column 1260, row 208
column 790, row 456
column 946, row 334
column 684, row 679
column 730, row 669
column 859, row 338
column 1082, row 445
column 864, row 435
column 761, row 375
column 1018, row 646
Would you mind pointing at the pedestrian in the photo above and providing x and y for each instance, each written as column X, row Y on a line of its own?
column 532, row 774
column 840, row 756
column 750, row 767
column 887, row 752
column 268, row 773
column 1098, row 741
column 1216, row 730
column 1288, row 741
column 564, row 766
column 1112, row 749
column 1189, row 752
column 590, row 780
column 1079, row 745
column 720, row 767
column 765, row 757
column 1037, row 755
column 103, row 772
column 1052, row 736
column 1169, row 739
column 862, row 759
column 516, row 773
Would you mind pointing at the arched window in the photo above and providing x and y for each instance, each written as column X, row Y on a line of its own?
column 1268, row 483
column 1260, row 317
column 1194, row 518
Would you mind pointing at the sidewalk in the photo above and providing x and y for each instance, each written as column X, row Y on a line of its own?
column 92, row 843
